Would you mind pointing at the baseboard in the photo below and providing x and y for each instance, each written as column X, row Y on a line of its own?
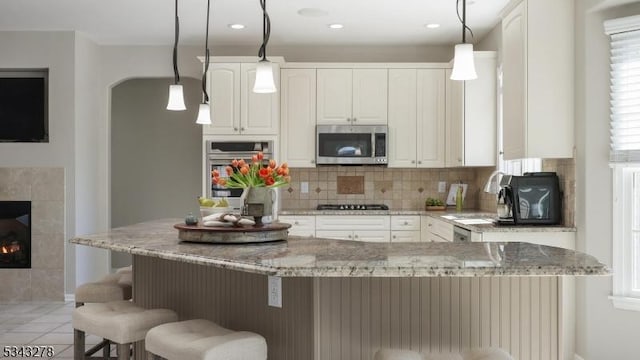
column 69, row 297
column 577, row 357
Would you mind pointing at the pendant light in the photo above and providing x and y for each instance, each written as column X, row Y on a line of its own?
column 204, row 112
column 463, row 65
column 176, row 97
column 264, row 70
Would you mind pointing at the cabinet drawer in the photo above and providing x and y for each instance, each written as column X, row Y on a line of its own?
column 405, row 236
column 440, row 228
column 300, row 225
column 402, row 222
column 435, row 238
column 372, row 236
column 353, row 223
column 335, row 234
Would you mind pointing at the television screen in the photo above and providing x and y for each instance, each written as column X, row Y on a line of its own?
column 23, row 107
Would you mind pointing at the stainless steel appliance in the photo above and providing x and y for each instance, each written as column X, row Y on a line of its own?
column 221, row 153
column 531, row 199
column 352, row 207
column 351, row 144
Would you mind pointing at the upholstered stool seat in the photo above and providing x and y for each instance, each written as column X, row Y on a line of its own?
column 472, row 354
column 112, row 287
column 204, row 340
column 121, row 322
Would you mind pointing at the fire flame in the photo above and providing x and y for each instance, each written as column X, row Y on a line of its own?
column 9, row 249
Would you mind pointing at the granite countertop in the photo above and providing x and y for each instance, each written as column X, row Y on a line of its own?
column 467, row 214
column 313, row 257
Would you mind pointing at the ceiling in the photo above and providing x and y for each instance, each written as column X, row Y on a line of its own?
column 150, row 22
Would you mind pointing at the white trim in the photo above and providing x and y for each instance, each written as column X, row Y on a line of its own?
column 615, row 26
column 69, row 297
column 625, row 303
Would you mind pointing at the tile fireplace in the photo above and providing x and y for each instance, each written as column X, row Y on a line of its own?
column 15, row 234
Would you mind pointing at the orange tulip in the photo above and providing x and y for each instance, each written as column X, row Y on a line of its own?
column 222, row 182
column 269, row 181
column 254, row 159
column 229, row 170
column 264, row 172
column 272, row 164
column 234, row 163
column 286, row 171
column 215, row 180
column 284, row 165
column 244, row 170
column 260, row 155
column 215, row 172
column 241, row 163
column 280, row 171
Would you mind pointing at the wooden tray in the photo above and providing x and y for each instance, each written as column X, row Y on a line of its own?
column 233, row 234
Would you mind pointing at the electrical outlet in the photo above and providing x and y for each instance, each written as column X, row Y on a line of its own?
column 275, row 291
column 442, row 186
column 304, row 187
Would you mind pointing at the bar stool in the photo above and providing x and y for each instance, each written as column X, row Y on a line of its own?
column 471, row 354
column 113, row 287
column 201, row 339
column 120, row 322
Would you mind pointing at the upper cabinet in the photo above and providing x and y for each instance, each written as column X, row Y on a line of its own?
column 235, row 108
column 471, row 116
column 298, row 107
column 538, row 87
column 416, row 117
column 352, row 97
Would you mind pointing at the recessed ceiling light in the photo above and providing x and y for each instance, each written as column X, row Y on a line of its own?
column 311, row 12
column 336, row 26
column 432, row 26
column 236, row 26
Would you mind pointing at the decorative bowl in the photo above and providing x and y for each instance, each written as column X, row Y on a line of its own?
column 206, row 210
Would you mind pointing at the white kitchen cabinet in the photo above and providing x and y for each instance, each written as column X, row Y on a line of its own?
column 405, row 236
column 538, row 85
column 405, row 228
column 436, row 230
column 300, row 225
column 352, row 97
column 298, row 122
column 416, row 118
column 361, row 235
column 471, row 116
column 235, row 108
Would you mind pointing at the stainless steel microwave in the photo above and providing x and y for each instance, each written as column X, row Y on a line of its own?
column 351, row 144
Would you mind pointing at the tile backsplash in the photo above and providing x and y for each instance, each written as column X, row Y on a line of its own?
column 400, row 189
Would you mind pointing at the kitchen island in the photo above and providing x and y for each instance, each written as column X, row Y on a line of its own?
column 344, row 300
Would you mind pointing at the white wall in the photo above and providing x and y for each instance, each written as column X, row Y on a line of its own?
column 602, row 331
column 53, row 50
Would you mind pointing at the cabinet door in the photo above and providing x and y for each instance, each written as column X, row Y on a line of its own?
column 431, row 117
column 259, row 114
column 405, row 236
column 334, row 98
column 304, row 226
column 298, row 123
column 455, row 118
column 224, row 96
column 402, row 118
column 514, row 83
column 480, row 113
column 372, row 236
column 335, row 234
column 370, row 96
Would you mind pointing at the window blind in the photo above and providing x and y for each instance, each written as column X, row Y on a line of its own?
column 625, row 96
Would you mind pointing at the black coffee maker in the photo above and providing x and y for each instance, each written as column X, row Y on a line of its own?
column 531, row 199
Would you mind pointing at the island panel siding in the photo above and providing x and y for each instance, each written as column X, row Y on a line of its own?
column 350, row 318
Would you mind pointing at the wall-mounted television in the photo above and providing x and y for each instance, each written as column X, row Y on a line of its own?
column 24, row 105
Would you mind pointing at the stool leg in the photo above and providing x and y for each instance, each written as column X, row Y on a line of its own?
column 78, row 344
column 106, row 350
column 123, row 351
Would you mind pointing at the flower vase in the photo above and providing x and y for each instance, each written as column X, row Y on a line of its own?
column 258, row 202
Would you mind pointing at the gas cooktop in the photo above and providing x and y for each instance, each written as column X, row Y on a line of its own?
column 352, row 207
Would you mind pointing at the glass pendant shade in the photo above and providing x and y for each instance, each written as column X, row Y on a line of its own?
column 264, row 78
column 463, row 66
column 204, row 115
column 176, row 98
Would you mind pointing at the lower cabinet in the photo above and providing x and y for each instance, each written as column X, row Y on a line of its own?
column 405, row 236
column 435, row 230
column 300, row 225
column 362, row 235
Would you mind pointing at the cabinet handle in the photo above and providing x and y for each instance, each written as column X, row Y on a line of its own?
column 356, row 236
column 296, row 223
column 235, row 129
column 413, row 161
column 406, row 223
column 348, row 119
column 394, row 236
column 354, row 119
column 459, row 160
column 313, row 161
column 419, row 161
column 429, row 225
column 241, row 129
column 349, row 236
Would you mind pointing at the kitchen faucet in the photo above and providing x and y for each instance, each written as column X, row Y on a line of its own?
column 493, row 183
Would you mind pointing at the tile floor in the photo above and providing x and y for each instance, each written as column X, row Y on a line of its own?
column 41, row 324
